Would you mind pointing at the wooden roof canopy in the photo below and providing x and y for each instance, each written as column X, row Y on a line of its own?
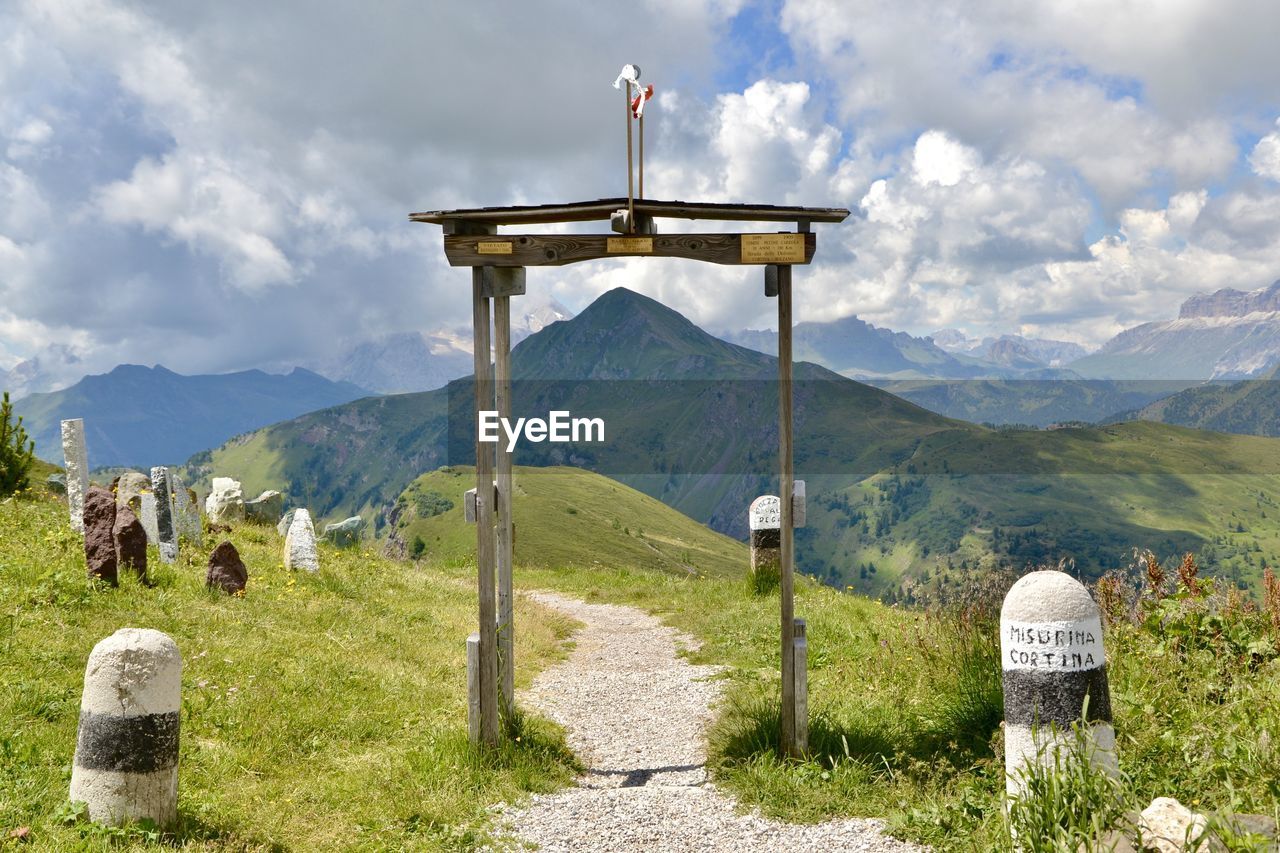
column 471, row 239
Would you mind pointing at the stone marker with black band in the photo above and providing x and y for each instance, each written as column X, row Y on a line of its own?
column 765, row 521
column 126, row 760
column 1054, row 674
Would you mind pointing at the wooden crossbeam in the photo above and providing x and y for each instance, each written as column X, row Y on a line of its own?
column 585, row 211
column 533, row 250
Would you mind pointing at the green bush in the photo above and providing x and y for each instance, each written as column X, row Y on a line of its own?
column 430, row 504
column 17, row 452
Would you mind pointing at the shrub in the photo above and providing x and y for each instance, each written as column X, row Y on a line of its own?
column 430, row 504
column 17, row 451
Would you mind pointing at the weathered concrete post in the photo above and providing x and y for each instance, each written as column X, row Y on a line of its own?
column 77, row 465
column 126, row 762
column 1053, row 660
column 800, row 656
column 764, row 519
column 166, row 533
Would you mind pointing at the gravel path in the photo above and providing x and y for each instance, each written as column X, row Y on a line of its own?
column 635, row 713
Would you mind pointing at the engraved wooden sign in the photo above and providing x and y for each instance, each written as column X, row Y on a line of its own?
column 493, row 247
column 773, row 249
column 629, row 245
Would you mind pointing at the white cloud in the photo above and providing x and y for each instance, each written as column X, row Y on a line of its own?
column 939, row 159
column 202, row 165
column 210, row 208
column 1265, row 157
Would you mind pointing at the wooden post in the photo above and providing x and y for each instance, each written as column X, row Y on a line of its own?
column 800, row 660
column 488, row 669
column 506, row 613
column 786, row 488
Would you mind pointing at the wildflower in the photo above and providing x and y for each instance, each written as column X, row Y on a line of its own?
column 1271, row 596
column 1187, row 574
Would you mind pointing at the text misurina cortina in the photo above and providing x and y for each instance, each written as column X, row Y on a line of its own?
column 558, row 427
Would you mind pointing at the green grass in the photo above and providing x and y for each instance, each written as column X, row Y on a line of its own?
column 320, row 711
column 569, row 517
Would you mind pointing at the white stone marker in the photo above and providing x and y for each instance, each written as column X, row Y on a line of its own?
column 126, row 762
column 764, row 518
column 77, row 464
column 300, row 543
column 166, row 532
column 1052, row 658
column 225, row 502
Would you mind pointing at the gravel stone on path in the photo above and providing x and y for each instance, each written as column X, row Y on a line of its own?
column 636, row 714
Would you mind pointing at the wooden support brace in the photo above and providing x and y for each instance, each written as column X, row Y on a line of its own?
column 466, row 227
column 620, row 221
column 469, row 503
column 502, row 281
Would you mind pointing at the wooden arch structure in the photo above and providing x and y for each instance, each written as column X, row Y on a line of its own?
column 498, row 263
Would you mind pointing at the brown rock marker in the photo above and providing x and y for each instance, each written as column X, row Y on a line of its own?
column 226, row 570
column 99, row 543
column 130, row 541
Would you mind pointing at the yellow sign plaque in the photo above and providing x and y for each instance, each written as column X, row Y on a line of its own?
column 773, row 248
column 629, row 245
column 493, row 247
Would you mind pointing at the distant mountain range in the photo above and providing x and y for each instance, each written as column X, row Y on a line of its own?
column 1032, row 400
column 899, row 497
column 1229, row 334
column 855, row 348
column 142, row 416
column 420, row 361
column 1013, row 351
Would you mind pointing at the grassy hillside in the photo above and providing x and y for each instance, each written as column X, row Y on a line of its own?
column 566, row 517
column 1035, row 402
column 1251, row 407
column 959, row 506
column 320, row 712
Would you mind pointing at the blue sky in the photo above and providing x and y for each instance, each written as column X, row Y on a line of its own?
column 223, row 186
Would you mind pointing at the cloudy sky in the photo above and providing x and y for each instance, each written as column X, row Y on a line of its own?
column 215, row 186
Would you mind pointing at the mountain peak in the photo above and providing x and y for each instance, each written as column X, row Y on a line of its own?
column 1229, row 302
column 627, row 335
